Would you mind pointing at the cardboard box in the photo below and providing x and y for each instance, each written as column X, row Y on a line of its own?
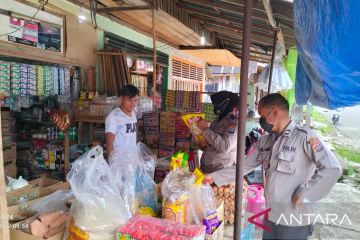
column 17, row 234
column 152, row 140
column 162, row 169
column 39, row 182
column 183, row 146
column 10, row 170
column 80, row 105
column 167, row 139
column 168, row 116
column 15, row 210
column 165, row 153
column 44, row 182
column 14, row 197
column 220, row 209
column 167, row 129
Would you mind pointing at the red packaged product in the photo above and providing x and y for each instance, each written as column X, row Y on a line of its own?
column 148, row 228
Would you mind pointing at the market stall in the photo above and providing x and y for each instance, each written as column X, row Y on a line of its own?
column 166, row 176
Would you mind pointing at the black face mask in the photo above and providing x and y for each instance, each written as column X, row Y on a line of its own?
column 222, row 108
column 265, row 125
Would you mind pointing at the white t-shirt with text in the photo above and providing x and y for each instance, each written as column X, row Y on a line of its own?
column 124, row 128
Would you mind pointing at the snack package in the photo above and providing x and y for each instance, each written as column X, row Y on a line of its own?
column 141, row 228
column 191, row 121
column 133, row 173
column 204, row 202
column 99, row 208
column 176, row 191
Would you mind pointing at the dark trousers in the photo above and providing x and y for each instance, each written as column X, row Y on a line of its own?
column 286, row 232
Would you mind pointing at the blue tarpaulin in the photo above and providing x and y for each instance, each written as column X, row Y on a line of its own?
column 328, row 42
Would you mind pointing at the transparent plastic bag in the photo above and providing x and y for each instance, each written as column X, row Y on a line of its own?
column 147, row 158
column 133, row 171
column 203, row 200
column 176, row 190
column 56, row 201
column 99, row 208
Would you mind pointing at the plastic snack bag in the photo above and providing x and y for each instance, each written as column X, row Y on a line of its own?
column 98, row 209
column 191, row 121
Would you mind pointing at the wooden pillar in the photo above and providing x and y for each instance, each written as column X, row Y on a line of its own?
column 66, row 152
column 240, row 155
column 154, row 45
column 4, row 218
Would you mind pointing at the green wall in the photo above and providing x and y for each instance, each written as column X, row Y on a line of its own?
column 290, row 65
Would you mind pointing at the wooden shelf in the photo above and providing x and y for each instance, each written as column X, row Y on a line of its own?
column 34, row 121
column 89, row 119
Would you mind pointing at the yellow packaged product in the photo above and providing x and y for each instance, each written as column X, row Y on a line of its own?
column 191, row 121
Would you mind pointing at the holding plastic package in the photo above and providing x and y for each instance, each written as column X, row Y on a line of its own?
column 133, row 173
column 191, row 121
column 99, row 208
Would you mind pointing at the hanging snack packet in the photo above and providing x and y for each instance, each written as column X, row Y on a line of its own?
column 191, row 121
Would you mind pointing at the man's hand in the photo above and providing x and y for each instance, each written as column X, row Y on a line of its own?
column 297, row 201
column 208, row 179
column 203, row 124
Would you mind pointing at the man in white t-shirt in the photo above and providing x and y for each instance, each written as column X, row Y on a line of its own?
column 120, row 125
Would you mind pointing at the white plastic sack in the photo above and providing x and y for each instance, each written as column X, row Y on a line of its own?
column 98, row 209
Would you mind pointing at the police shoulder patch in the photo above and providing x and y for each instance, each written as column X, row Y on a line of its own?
column 315, row 144
column 231, row 128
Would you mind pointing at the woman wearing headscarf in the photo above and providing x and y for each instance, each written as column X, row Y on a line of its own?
column 221, row 135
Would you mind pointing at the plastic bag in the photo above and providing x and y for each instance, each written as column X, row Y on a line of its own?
column 191, row 121
column 327, row 36
column 176, row 190
column 56, row 201
column 133, row 172
column 98, row 209
column 147, row 158
column 203, row 199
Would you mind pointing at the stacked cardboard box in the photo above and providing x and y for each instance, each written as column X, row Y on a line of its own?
column 151, row 131
column 167, row 134
column 140, row 130
column 183, row 135
column 9, row 147
column 10, row 161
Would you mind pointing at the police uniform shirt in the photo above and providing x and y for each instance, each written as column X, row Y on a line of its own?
column 222, row 139
column 296, row 162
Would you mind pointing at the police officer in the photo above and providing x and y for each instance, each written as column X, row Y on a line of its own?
column 222, row 133
column 298, row 169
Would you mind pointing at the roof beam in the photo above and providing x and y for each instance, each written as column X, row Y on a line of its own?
column 237, row 35
column 118, row 9
column 237, row 20
column 237, row 9
column 251, row 51
column 232, row 26
column 197, row 47
column 236, row 30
